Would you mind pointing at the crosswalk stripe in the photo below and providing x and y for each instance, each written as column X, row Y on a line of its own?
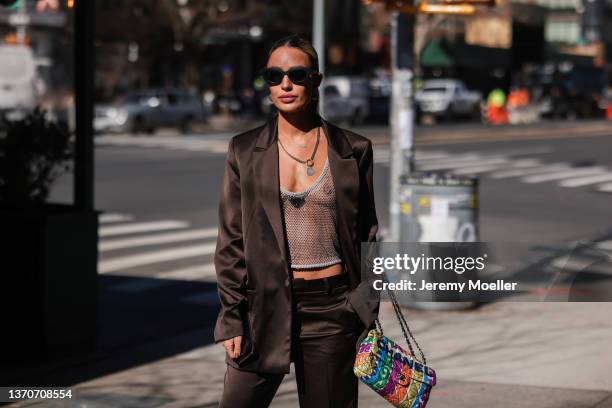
column 109, row 245
column 464, row 163
column 520, row 151
column 202, row 272
column 522, row 172
column 148, row 258
column 140, row 227
column 481, row 169
column 419, row 155
column 194, row 273
column 114, row 217
column 578, row 171
column 585, row 181
column 607, row 188
column 430, row 154
column 464, row 158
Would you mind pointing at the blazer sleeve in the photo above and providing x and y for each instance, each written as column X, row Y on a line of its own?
column 366, row 166
column 365, row 301
column 229, row 260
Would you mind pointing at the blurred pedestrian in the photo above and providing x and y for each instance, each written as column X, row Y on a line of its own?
column 297, row 201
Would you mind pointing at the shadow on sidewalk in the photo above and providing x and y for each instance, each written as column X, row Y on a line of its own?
column 140, row 320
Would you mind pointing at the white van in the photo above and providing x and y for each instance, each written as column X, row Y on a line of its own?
column 18, row 81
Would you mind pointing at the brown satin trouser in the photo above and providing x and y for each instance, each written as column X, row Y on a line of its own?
column 326, row 329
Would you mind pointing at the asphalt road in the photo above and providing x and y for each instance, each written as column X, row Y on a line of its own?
column 160, row 197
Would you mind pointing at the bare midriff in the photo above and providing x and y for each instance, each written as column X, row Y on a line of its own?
column 332, row 270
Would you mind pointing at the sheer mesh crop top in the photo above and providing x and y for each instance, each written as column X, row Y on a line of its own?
column 310, row 223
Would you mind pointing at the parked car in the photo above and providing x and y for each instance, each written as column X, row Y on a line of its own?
column 145, row 111
column 345, row 99
column 447, row 98
column 19, row 82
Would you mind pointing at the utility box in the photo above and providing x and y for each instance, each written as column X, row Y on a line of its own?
column 437, row 207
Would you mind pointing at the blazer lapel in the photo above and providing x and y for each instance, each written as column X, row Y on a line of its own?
column 345, row 173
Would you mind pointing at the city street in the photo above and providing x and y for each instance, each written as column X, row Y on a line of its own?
column 159, row 232
column 491, row 131
column 157, row 292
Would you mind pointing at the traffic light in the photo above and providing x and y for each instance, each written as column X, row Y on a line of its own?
column 10, row 3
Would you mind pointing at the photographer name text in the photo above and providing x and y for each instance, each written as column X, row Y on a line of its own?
column 408, row 285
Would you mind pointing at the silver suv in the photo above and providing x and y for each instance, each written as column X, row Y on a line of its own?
column 145, row 111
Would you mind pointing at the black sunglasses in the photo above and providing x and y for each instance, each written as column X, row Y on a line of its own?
column 297, row 75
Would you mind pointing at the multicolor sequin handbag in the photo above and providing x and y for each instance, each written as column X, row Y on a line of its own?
column 391, row 371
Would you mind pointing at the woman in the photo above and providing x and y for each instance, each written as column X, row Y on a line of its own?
column 296, row 202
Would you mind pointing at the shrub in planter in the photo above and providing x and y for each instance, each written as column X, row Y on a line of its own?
column 48, row 275
column 33, row 153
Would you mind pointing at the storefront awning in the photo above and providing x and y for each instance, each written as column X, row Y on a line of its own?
column 439, row 53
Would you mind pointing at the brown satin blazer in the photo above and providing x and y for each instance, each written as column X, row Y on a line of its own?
column 251, row 257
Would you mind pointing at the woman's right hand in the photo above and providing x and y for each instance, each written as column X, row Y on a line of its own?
column 232, row 346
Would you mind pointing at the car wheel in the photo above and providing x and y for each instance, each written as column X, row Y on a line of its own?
column 186, row 125
column 137, row 125
column 447, row 116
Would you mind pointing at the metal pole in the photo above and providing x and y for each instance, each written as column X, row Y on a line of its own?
column 83, row 90
column 402, row 113
column 22, row 28
column 318, row 35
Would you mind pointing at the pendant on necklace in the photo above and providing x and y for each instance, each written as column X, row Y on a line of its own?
column 309, row 169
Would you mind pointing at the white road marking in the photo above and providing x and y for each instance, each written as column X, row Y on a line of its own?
column 202, row 272
column 577, row 171
column 525, row 163
column 522, row 172
column 585, row 181
column 607, row 188
column 141, row 227
column 114, row 217
column 148, row 258
column 464, row 163
column 109, row 245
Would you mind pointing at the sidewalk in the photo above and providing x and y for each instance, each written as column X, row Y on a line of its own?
column 519, row 354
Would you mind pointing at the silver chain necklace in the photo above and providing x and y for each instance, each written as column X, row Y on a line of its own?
column 309, row 162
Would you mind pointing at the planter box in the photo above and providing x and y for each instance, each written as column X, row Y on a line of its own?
column 48, row 282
